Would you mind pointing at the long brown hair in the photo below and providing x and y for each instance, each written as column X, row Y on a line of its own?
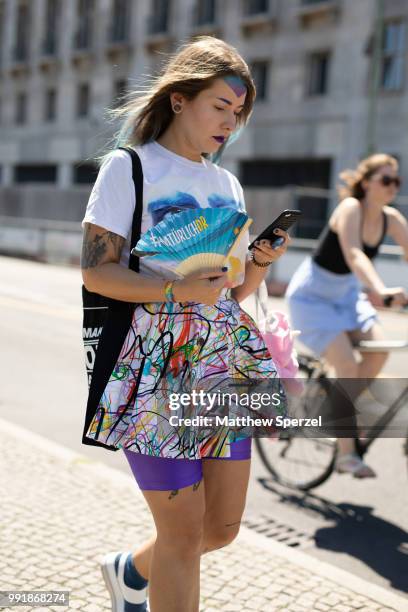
column 353, row 179
column 147, row 113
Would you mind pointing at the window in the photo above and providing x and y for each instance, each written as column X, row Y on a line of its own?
column 205, row 12
column 21, row 109
column 159, row 17
column 119, row 89
column 51, row 27
column 260, row 71
column 83, row 35
column 285, row 172
column 45, row 173
column 50, row 107
column 22, row 33
column 85, row 174
column 279, row 173
column 393, row 56
column 256, row 7
column 309, row 2
column 83, row 100
column 318, row 69
column 120, row 21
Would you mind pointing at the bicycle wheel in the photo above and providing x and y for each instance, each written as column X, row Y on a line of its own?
column 298, row 461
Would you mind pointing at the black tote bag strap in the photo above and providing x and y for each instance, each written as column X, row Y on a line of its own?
column 137, row 175
column 119, row 317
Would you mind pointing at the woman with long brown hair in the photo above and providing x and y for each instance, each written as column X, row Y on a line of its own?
column 182, row 329
column 324, row 295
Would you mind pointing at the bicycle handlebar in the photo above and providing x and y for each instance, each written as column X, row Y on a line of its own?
column 388, row 300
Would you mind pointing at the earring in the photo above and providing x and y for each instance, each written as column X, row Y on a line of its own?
column 177, row 108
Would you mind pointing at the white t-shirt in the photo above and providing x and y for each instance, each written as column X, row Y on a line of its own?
column 170, row 183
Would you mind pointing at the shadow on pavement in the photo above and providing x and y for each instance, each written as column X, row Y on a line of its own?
column 355, row 531
column 380, row 544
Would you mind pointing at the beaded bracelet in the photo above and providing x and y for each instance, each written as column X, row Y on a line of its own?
column 168, row 291
column 258, row 264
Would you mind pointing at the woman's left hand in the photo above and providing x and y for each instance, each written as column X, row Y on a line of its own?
column 264, row 251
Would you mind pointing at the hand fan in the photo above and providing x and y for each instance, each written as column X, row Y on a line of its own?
column 194, row 240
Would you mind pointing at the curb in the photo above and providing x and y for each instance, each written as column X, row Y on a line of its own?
column 246, row 536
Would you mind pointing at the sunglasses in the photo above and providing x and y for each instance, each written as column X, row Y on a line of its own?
column 387, row 180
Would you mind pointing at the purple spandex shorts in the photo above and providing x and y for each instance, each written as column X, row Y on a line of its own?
column 161, row 474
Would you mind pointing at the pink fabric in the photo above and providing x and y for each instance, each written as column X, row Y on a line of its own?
column 278, row 338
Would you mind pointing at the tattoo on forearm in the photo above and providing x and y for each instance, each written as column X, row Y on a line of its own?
column 173, row 494
column 95, row 248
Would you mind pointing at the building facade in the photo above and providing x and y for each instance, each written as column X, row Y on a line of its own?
column 63, row 62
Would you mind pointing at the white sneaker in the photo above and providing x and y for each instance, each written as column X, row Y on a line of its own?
column 124, row 599
column 354, row 465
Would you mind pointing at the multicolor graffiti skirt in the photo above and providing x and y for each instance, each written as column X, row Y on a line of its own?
column 190, row 380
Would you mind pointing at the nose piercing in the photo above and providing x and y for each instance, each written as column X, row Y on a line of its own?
column 177, row 108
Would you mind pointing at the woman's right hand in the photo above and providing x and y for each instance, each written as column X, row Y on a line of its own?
column 202, row 287
column 397, row 296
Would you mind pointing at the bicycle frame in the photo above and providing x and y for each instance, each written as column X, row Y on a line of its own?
column 368, row 346
column 375, row 430
column 316, row 368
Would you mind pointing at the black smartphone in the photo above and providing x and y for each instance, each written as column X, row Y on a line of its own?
column 284, row 221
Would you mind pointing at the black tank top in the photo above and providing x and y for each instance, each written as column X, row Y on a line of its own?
column 329, row 254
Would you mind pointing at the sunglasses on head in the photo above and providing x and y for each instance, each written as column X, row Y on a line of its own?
column 387, row 180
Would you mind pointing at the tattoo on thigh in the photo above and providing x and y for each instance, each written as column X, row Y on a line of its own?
column 233, row 524
column 196, row 485
column 95, row 248
column 173, row 494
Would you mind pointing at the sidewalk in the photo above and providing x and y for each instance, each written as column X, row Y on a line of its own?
column 60, row 512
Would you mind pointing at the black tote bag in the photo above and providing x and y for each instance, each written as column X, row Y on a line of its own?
column 106, row 321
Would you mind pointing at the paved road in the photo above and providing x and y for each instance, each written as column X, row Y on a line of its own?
column 358, row 526
column 104, row 510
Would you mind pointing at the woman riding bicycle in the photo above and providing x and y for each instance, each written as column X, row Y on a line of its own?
column 324, row 295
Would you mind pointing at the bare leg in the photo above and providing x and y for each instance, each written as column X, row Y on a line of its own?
column 341, row 356
column 175, row 557
column 371, row 364
column 225, row 487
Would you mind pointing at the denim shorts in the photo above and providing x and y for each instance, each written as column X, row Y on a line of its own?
column 323, row 304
